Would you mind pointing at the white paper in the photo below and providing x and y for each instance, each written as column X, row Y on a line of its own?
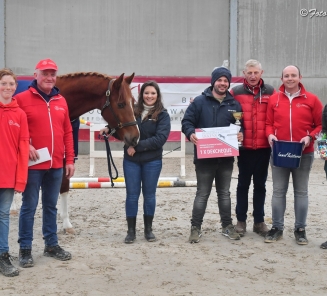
column 44, row 156
column 218, row 132
column 238, row 127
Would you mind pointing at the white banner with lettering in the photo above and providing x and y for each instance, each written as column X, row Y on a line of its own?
column 176, row 98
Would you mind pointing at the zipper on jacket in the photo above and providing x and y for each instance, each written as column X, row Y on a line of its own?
column 48, row 107
column 291, row 114
column 291, row 121
column 214, row 114
column 216, row 111
column 300, row 95
column 52, row 142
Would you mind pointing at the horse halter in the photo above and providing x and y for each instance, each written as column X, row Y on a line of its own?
column 108, row 104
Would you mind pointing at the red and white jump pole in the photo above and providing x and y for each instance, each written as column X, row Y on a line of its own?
column 161, row 184
column 107, row 179
column 82, row 121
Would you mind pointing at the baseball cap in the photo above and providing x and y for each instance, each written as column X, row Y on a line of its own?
column 46, row 64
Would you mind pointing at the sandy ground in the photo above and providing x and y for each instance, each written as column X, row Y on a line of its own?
column 103, row 264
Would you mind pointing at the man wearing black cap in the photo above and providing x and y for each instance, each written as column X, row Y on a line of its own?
column 212, row 108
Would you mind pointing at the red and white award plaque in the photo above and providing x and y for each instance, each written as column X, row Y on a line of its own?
column 217, row 142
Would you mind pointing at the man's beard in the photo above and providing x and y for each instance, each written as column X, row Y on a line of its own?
column 217, row 91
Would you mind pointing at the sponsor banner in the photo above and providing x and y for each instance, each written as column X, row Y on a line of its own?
column 176, row 93
column 217, row 142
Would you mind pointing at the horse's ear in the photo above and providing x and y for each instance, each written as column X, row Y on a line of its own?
column 129, row 79
column 118, row 81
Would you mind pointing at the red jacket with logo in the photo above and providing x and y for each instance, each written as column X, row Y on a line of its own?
column 14, row 146
column 254, row 102
column 49, row 126
column 291, row 121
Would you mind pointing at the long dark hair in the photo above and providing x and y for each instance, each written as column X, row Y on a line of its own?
column 158, row 106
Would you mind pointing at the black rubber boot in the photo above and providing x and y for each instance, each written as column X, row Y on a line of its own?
column 25, row 258
column 149, row 236
column 131, row 223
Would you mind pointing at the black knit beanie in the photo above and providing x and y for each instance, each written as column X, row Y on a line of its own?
column 218, row 72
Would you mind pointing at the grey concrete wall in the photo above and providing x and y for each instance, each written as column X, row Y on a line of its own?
column 149, row 37
column 275, row 33
column 2, row 34
column 166, row 37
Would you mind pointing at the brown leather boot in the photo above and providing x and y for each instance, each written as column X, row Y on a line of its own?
column 260, row 228
column 240, row 228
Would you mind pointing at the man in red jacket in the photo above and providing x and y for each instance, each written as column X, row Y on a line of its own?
column 293, row 114
column 253, row 160
column 50, row 128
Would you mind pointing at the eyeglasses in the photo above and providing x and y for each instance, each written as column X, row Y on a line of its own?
column 11, row 84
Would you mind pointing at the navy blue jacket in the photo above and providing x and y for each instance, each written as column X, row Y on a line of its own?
column 206, row 112
column 153, row 135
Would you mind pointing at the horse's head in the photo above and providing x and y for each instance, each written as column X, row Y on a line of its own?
column 118, row 110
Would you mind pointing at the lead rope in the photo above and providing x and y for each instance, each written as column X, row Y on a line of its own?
column 171, row 151
column 109, row 158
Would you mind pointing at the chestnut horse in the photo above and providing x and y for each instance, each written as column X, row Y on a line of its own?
column 88, row 91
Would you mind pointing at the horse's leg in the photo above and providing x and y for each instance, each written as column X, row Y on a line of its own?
column 64, row 213
column 64, row 204
column 65, row 184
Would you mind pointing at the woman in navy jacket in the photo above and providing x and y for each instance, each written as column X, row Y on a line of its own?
column 142, row 164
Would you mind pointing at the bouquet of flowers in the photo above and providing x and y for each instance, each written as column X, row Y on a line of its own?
column 322, row 145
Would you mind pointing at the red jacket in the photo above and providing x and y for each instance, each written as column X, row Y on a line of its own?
column 254, row 102
column 49, row 126
column 14, row 146
column 295, row 120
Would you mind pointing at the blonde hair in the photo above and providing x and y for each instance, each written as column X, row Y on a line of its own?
column 7, row 71
column 252, row 63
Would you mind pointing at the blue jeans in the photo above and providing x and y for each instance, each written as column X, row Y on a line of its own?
column 139, row 175
column 6, row 198
column 300, row 178
column 252, row 163
column 49, row 181
column 220, row 170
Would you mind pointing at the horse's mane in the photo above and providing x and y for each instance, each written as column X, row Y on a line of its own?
column 123, row 91
column 84, row 74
